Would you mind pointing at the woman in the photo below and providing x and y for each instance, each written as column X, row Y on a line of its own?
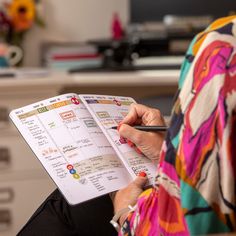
column 195, row 184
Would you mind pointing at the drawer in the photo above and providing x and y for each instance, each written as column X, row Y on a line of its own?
column 18, row 201
column 15, row 155
column 5, row 122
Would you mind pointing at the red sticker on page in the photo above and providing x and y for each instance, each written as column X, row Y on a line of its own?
column 69, row 167
column 75, row 100
column 117, row 102
column 122, row 140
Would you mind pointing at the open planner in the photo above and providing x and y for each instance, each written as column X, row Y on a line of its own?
column 72, row 137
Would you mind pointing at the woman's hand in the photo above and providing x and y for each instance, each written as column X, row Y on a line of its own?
column 129, row 195
column 148, row 142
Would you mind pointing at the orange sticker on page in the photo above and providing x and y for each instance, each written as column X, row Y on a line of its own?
column 67, row 115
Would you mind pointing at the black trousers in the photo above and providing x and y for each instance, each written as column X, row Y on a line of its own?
column 55, row 217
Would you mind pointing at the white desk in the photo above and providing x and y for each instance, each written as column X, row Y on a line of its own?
column 136, row 84
column 152, row 77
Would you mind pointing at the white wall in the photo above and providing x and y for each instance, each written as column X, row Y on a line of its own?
column 73, row 20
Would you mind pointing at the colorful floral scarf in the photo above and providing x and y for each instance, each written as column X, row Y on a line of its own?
column 195, row 185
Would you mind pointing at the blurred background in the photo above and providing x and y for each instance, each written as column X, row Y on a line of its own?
column 74, row 21
column 49, row 47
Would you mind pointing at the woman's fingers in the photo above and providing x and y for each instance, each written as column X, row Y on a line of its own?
column 148, row 143
column 135, row 113
column 140, row 114
column 133, row 135
column 140, row 181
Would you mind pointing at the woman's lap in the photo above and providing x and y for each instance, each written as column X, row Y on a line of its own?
column 56, row 217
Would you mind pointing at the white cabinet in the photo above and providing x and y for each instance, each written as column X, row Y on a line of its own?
column 19, row 198
column 24, row 184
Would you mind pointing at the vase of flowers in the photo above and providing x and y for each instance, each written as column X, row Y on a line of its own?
column 17, row 17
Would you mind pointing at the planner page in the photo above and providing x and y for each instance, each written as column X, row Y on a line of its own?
column 71, row 147
column 108, row 112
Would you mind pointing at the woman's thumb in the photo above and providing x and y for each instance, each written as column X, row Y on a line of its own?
column 141, row 180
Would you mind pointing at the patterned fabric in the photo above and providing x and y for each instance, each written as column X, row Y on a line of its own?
column 195, row 186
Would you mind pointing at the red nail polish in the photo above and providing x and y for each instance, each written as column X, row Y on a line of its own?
column 130, row 143
column 138, row 151
column 142, row 174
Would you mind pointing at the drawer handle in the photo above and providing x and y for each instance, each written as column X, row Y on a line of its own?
column 5, row 158
column 4, row 118
column 6, row 195
column 5, row 220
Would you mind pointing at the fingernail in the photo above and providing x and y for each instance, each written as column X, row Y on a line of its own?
column 130, row 143
column 138, row 151
column 142, row 174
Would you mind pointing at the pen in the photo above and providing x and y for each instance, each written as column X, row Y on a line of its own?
column 155, row 128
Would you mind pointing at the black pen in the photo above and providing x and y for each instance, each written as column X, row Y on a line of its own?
column 153, row 128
